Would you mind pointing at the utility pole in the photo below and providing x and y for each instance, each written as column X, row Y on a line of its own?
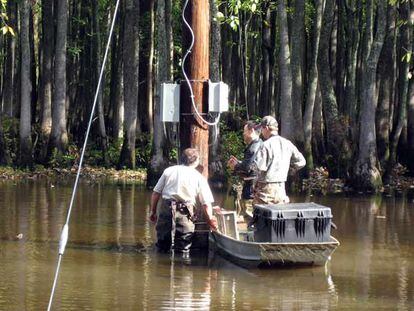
column 193, row 131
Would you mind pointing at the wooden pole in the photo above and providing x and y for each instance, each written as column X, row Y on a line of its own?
column 193, row 131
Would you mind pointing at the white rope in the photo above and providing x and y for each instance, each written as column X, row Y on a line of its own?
column 185, row 74
column 65, row 231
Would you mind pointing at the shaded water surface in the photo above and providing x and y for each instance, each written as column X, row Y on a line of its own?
column 109, row 263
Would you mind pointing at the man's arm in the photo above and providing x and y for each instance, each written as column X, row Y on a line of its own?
column 208, row 210
column 155, row 197
column 246, row 167
column 298, row 160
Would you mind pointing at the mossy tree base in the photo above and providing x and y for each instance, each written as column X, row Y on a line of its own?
column 367, row 178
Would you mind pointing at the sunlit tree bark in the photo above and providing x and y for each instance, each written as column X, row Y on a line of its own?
column 131, row 63
column 25, row 87
column 367, row 174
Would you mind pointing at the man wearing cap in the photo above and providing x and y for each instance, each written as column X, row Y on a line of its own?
column 273, row 161
column 246, row 168
column 181, row 187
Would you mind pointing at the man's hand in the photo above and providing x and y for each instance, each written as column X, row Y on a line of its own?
column 153, row 217
column 212, row 222
column 232, row 162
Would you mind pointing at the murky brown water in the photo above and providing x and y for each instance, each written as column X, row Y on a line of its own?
column 372, row 269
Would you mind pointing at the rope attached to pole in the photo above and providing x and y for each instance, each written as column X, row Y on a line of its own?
column 65, row 231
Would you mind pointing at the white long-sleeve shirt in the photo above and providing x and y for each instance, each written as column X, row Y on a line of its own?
column 275, row 157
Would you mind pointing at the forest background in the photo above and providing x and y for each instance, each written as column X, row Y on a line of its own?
column 336, row 74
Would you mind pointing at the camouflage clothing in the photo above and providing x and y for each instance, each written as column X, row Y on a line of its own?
column 175, row 227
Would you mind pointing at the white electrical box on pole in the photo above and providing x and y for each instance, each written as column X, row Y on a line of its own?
column 170, row 102
column 218, row 100
column 218, row 97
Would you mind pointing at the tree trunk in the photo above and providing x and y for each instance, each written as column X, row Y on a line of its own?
column 403, row 88
column 386, row 69
column 33, row 31
column 46, row 77
column 337, row 143
column 410, row 127
column 285, row 74
column 252, row 82
column 158, row 161
column 351, row 99
column 59, row 136
column 298, row 54
column 131, row 64
column 216, row 170
column 25, row 88
column 340, row 56
column 117, row 85
column 193, row 131
column 9, row 73
column 103, row 139
column 170, row 38
column 312, row 86
column 266, row 55
column 367, row 175
column 150, row 72
column 215, row 43
column 318, row 141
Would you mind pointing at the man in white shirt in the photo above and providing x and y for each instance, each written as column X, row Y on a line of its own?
column 273, row 161
column 181, row 188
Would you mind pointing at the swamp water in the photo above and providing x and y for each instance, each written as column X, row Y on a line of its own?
column 109, row 263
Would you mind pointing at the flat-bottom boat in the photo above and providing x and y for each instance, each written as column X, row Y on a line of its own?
column 234, row 240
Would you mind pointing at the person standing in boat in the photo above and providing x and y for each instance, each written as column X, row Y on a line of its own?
column 181, row 187
column 246, row 169
column 273, row 161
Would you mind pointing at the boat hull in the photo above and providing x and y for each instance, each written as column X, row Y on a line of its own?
column 269, row 254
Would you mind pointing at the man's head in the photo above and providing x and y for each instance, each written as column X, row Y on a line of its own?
column 251, row 131
column 269, row 126
column 190, row 157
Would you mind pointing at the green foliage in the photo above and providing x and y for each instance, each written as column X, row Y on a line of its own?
column 4, row 27
column 64, row 160
column 11, row 136
column 143, row 150
column 231, row 144
column 234, row 8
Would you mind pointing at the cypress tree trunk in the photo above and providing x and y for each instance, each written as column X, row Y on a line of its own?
column 337, row 143
column 25, row 88
column 285, row 74
column 150, row 72
column 386, row 70
column 298, row 53
column 367, row 175
column 9, row 73
column 410, row 127
column 131, row 64
column 266, row 55
column 312, row 86
column 59, row 135
column 103, row 139
column 158, row 161
column 401, row 114
column 117, row 85
column 352, row 44
column 216, row 170
column 46, row 77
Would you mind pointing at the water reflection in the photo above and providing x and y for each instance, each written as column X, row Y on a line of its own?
column 110, row 265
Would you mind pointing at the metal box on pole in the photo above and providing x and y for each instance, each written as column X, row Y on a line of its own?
column 170, row 102
column 218, row 97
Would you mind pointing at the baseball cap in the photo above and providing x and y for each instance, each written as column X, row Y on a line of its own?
column 268, row 121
